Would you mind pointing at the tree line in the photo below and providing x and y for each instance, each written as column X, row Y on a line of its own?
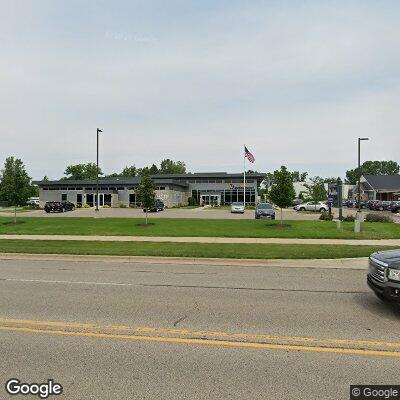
column 89, row 170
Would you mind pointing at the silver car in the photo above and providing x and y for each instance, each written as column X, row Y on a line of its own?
column 237, row 208
column 312, row 206
column 264, row 210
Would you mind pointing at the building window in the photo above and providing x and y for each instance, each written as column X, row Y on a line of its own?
column 160, row 187
column 64, row 197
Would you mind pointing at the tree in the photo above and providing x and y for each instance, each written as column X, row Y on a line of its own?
column 129, row 171
column 153, row 170
column 15, row 184
column 145, row 193
column 82, row 171
column 372, row 168
column 298, row 176
column 316, row 190
column 282, row 191
column 168, row 166
column 330, row 180
column 45, row 179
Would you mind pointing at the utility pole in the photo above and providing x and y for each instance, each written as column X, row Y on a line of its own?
column 97, row 171
column 359, row 173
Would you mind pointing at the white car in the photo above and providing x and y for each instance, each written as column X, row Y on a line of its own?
column 312, row 206
column 237, row 208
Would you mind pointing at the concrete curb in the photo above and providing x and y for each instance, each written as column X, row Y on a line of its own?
column 160, row 239
column 342, row 263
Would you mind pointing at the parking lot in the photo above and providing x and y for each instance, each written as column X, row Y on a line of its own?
column 204, row 213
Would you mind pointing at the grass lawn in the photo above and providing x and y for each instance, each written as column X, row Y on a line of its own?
column 195, row 227
column 212, row 250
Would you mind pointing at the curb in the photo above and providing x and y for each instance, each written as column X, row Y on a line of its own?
column 341, row 263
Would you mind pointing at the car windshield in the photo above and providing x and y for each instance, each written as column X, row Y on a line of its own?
column 265, row 206
column 237, row 204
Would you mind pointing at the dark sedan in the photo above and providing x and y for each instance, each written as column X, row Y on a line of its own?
column 264, row 210
column 58, row 206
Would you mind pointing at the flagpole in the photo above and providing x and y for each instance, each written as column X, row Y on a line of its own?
column 244, row 176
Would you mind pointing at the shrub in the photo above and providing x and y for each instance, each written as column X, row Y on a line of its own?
column 86, row 205
column 192, row 201
column 123, row 205
column 106, row 206
column 377, row 218
column 349, row 218
column 326, row 216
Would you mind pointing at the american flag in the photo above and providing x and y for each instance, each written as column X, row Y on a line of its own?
column 248, row 155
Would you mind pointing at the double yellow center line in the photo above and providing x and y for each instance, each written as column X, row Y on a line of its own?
column 206, row 338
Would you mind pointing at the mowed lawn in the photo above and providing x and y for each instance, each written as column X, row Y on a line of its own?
column 194, row 250
column 195, row 227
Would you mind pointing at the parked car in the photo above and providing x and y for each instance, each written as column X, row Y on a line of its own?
column 237, row 208
column 382, row 205
column 58, row 206
column 384, row 275
column 33, row 202
column 264, row 210
column 312, row 206
column 158, row 206
column 395, row 207
column 349, row 203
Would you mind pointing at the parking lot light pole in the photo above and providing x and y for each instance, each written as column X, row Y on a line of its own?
column 359, row 172
column 97, row 171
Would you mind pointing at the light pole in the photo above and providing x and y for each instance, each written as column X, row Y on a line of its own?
column 97, row 171
column 359, row 172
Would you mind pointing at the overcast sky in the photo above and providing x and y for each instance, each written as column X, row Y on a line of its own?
column 297, row 81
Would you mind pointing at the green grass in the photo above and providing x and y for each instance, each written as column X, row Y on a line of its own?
column 195, row 228
column 211, row 250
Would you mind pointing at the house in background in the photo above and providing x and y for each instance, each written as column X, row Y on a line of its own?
column 379, row 187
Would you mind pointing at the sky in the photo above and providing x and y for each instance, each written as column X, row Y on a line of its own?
column 296, row 81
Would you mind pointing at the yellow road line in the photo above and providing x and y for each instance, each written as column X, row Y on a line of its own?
column 188, row 332
column 219, row 343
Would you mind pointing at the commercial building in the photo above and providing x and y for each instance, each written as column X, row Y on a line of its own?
column 379, row 187
column 174, row 190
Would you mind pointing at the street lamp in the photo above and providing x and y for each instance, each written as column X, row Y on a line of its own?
column 97, row 171
column 359, row 172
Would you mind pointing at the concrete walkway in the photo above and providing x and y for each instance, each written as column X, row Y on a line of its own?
column 350, row 242
column 341, row 263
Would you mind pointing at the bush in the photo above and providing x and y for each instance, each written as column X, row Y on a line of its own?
column 86, row 205
column 106, row 206
column 192, row 201
column 377, row 218
column 349, row 218
column 123, row 205
column 326, row 216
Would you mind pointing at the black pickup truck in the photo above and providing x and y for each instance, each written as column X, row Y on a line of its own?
column 384, row 275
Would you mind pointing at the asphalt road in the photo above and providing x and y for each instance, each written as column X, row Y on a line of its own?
column 132, row 331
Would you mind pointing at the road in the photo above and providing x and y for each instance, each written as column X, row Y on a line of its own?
column 145, row 331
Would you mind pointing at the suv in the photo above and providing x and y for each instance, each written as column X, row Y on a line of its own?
column 158, row 206
column 382, row 205
column 58, row 206
column 264, row 210
column 395, row 206
column 384, row 275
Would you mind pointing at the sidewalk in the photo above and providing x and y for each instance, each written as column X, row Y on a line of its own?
column 350, row 242
column 341, row 263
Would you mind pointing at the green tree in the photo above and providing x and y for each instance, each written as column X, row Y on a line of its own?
column 45, row 179
column 145, row 192
column 316, row 190
column 372, row 168
column 168, row 166
column 15, row 184
column 282, row 191
column 82, row 171
column 153, row 170
column 129, row 171
column 298, row 176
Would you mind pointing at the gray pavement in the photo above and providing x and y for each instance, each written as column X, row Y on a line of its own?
column 288, row 214
column 193, row 331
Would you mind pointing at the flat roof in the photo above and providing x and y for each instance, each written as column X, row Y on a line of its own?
column 172, row 179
